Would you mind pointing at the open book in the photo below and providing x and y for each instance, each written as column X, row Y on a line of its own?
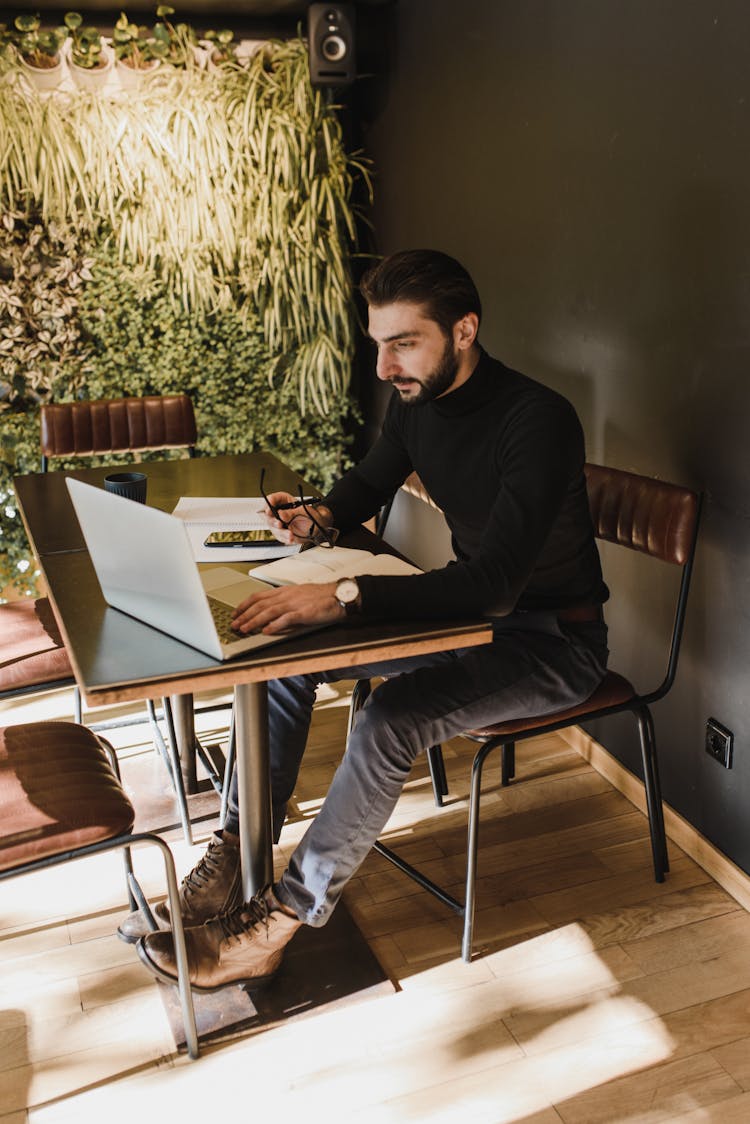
column 327, row 564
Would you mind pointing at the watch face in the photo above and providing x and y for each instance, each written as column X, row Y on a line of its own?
column 347, row 591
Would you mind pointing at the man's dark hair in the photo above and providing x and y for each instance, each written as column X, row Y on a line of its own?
column 426, row 277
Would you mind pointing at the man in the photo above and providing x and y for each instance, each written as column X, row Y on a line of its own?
column 503, row 457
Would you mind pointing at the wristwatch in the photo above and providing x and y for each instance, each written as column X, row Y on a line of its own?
column 347, row 595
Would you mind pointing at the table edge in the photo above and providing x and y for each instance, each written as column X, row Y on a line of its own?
column 229, row 674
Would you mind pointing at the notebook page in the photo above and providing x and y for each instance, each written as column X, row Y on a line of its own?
column 204, row 514
column 323, row 564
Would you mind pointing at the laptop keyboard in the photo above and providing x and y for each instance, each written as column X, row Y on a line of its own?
column 222, row 614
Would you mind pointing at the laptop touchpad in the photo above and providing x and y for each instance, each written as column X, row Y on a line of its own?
column 230, row 586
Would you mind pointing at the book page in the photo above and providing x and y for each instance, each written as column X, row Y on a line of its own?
column 324, row 564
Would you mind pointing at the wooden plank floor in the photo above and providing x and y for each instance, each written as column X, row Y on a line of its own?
column 597, row 995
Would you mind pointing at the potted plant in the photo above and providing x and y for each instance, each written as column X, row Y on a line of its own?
column 89, row 58
column 39, row 51
column 221, row 48
column 137, row 54
column 177, row 41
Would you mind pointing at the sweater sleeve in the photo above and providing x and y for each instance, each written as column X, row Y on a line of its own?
column 539, row 461
column 361, row 492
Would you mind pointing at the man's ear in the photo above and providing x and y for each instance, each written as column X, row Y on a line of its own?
column 465, row 331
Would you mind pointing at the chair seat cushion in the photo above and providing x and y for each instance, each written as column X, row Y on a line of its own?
column 32, row 651
column 57, row 792
column 614, row 690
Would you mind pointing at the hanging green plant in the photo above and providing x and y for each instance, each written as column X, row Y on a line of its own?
column 208, row 215
column 263, row 221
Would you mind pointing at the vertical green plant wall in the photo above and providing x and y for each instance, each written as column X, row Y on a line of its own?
column 194, row 234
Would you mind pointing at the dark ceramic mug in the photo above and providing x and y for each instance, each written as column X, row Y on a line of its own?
column 132, row 485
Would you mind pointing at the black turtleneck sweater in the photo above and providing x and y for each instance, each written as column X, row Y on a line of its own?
column 503, row 457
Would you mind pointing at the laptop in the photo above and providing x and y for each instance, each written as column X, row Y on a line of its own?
column 145, row 566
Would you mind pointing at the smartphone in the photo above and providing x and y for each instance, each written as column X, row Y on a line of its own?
column 259, row 536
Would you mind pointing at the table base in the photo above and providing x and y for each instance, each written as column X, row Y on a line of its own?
column 332, row 966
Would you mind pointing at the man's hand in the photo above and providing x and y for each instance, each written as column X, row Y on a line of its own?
column 293, row 526
column 290, row 606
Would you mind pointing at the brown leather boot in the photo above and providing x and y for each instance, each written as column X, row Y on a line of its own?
column 245, row 946
column 212, row 887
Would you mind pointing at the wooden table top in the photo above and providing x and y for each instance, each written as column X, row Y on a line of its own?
column 118, row 658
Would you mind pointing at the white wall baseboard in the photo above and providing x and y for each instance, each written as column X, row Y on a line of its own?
column 728, row 875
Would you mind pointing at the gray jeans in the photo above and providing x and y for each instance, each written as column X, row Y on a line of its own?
column 535, row 665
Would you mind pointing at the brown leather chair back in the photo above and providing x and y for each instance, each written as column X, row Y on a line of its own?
column 121, row 425
column 642, row 513
column 639, row 512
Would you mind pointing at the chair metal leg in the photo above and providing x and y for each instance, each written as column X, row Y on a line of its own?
column 228, row 770
column 176, row 772
column 472, row 846
column 139, row 901
column 135, row 894
column 417, row 876
column 653, row 793
column 509, row 763
column 360, row 694
column 178, row 936
column 657, row 792
column 77, row 707
column 124, row 843
column 127, row 860
column 437, row 774
column 157, row 736
column 214, row 776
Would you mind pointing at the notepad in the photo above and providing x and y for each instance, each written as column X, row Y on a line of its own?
column 232, row 511
column 203, row 514
column 326, row 564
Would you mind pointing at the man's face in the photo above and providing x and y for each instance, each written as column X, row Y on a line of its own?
column 414, row 354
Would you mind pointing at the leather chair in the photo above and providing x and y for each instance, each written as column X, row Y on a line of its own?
column 638, row 513
column 32, row 653
column 61, row 800
column 119, row 425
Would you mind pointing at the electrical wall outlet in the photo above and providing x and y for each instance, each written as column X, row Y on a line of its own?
column 719, row 742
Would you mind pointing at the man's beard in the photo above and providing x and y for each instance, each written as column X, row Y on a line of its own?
column 437, row 381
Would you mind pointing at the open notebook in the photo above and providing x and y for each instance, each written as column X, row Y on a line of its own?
column 326, row 564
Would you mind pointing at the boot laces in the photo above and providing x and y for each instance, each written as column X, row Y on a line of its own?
column 246, row 916
column 202, row 873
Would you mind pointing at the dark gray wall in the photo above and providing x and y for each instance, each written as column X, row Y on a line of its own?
column 589, row 162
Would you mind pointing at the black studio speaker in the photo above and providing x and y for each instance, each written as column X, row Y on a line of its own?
column 330, row 37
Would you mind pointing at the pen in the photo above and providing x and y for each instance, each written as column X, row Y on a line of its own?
column 296, row 503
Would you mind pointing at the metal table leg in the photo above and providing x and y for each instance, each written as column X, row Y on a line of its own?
column 253, row 786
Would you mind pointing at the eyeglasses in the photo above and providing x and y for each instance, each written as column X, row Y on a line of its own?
column 305, row 527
